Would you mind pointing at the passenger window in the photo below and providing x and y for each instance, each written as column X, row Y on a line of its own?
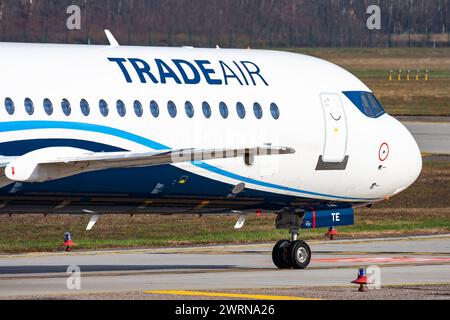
column 138, row 108
column 366, row 102
column 65, row 105
column 274, row 111
column 172, row 108
column 103, row 106
column 223, row 110
column 48, row 106
column 189, row 108
column 121, row 110
column 206, row 110
column 84, row 106
column 240, row 110
column 9, row 106
column 257, row 110
column 154, row 109
column 29, row 107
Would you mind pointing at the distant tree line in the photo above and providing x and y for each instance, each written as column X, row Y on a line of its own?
column 230, row 23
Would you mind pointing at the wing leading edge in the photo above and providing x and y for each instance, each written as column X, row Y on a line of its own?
column 58, row 162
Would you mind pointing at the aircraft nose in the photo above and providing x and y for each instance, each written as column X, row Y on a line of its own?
column 414, row 159
column 410, row 165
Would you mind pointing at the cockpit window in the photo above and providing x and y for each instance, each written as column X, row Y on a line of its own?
column 366, row 103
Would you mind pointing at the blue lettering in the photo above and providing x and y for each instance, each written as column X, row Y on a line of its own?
column 142, row 70
column 226, row 76
column 196, row 75
column 254, row 72
column 120, row 62
column 207, row 71
column 242, row 73
column 166, row 72
column 191, row 73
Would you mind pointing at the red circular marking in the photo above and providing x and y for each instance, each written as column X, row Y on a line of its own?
column 383, row 152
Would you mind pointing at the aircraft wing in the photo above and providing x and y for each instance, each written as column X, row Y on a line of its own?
column 59, row 162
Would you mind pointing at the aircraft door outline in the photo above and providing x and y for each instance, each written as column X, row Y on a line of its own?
column 336, row 128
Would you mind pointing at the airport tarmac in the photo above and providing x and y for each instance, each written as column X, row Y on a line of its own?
column 412, row 267
column 432, row 137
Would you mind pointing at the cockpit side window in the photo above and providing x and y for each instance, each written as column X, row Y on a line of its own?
column 366, row 106
column 366, row 103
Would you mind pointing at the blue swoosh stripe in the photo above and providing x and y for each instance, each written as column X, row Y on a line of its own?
column 30, row 125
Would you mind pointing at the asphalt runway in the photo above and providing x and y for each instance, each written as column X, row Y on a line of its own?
column 432, row 137
column 413, row 267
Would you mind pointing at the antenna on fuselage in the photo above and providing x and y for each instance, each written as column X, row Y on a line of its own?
column 113, row 43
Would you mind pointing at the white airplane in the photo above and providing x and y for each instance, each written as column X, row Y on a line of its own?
column 115, row 129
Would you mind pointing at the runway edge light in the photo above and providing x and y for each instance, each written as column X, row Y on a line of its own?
column 331, row 233
column 361, row 280
column 68, row 243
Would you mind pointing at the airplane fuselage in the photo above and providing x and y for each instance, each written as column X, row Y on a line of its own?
column 348, row 151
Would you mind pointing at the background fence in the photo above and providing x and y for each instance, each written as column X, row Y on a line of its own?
column 231, row 23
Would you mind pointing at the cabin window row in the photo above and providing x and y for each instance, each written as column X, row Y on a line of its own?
column 139, row 110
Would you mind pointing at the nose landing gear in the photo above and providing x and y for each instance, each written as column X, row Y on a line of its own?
column 290, row 254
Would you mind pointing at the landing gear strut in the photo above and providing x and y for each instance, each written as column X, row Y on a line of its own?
column 291, row 254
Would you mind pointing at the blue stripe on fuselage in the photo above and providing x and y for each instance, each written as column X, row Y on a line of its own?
column 30, row 125
column 21, row 147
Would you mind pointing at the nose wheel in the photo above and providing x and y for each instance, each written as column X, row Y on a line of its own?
column 291, row 254
column 300, row 254
column 294, row 253
column 280, row 254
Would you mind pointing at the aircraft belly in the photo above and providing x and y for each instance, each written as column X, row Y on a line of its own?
column 159, row 189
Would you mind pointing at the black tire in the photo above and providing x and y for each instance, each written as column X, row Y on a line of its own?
column 280, row 254
column 299, row 254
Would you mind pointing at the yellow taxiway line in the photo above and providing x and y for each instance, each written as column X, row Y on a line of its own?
column 225, row 295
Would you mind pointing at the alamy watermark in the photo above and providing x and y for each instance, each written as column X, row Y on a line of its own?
column 373, row 277
column 258, row 148
column 373, row 22
column 73, row 282
column 73, row 21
